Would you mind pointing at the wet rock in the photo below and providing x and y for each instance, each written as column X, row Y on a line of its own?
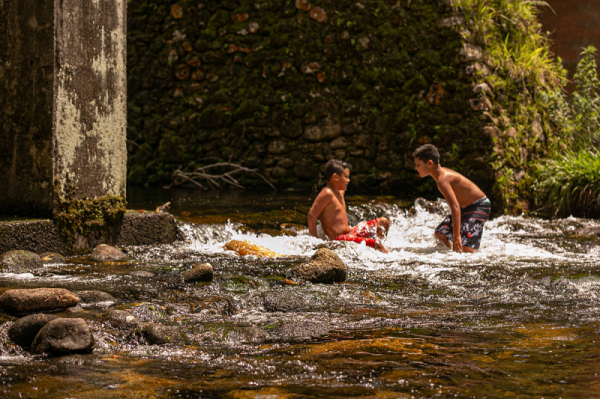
column 62, row 336
column 20, row 261
column 95, row 299
column 21, row 301
column 121, row 320
column 216, row 305
column 324, row 267
column 301, row 330
column 25, row 329
column 52, row 257
column 590, row 231
column 107, row 253
column 203, row 272
column 253, row 335
column 339, row 143
column 283, row 302
column 142, row 274
column 160, row 335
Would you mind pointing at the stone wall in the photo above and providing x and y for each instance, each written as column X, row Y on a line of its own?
column 283, row 86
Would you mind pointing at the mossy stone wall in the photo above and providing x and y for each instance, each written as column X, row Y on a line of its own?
column 283, row 86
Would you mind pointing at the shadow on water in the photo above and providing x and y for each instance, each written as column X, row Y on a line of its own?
column 518, row 318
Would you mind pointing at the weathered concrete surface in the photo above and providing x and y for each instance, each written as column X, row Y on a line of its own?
column 62, row 102
column 575, row 25
column 26, row 87
column 40, row 236
column 90, row 96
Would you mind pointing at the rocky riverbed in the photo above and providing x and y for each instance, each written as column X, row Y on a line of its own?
column 517, row 318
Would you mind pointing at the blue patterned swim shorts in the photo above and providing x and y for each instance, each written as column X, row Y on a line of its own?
column 472, row 219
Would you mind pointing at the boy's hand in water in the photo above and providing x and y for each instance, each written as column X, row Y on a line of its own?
column 379, row 246
column 457, row 245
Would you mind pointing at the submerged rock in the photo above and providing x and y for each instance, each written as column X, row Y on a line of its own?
column 323, row 267
column 106, row 253
column 142, row 273
column 160, row 335
column 121, row 320
column 216, row 305
column 25, row 329
column 52, row 257
column 37, row 300
column 203, row 272
column 20, row 261
column 62, row 336
column 95, row 299
column 300, row 330
column 253, row 335
column 283, row 302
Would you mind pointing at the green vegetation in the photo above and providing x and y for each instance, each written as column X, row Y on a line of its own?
column 570, row 183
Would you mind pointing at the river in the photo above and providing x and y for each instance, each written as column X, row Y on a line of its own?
column 517, row 318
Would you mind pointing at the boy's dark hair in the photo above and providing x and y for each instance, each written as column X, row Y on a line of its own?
column 427, row 152
column 335, row 166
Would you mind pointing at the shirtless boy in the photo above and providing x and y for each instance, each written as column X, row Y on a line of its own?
column 462, row 230
column 330, row 208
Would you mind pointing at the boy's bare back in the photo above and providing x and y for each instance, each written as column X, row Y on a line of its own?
column 452, row 183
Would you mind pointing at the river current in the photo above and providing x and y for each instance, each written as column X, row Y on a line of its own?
column 517, row 318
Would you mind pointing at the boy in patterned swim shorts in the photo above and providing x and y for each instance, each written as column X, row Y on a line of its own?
column 330, row 208
column 462, row 230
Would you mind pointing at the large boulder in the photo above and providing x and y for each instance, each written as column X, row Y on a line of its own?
column 324, row 267
column 95, row 299
column 63, row 336
column 160, row 335
column 24, row 330
column 106, row 253
column 21, row 301
column 19, row 261
column 121, row 320
column 203, row 272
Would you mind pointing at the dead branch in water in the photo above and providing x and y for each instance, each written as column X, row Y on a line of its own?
column 180, row 177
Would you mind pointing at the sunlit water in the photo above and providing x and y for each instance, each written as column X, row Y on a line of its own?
column 517, row 318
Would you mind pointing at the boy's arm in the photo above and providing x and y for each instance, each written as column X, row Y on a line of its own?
column 320, row 203
column 448, row 193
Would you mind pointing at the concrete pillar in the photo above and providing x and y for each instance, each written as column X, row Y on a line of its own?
column 62, row 102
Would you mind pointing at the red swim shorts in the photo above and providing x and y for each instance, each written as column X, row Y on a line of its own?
column 364, row 231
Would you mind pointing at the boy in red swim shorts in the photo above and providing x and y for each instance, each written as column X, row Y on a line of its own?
column 330, row 208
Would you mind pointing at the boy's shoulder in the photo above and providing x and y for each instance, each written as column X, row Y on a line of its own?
column 326, row 192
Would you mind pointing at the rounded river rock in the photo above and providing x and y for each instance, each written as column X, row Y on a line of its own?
column 106, row 253
column 21, row 301
column 19, row 261
column 203, row 272
column 25, row 329
column 63, row 336
column 323, row 267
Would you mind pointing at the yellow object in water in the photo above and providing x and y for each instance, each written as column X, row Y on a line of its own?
column 245, row 248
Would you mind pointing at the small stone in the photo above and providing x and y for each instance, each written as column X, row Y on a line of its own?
column 178, row 36
column 241, row 17
column 301, row 330
column 203, row 272
column 339, row 143
column 253, row 27
column 286, row 163
column 511, row 132
column 52, row 257
column 278, row 147
column 451, row 21
column 352, row 129
column 482, row 88
column 278, row 172
column 471, row 52
column 121, row 320
column 318, row 14
column 172, row 56
column 481, row 103
column 178, row 92
column 242, row 32
column 477, row 69
column 176, row 11
column 24, row 330
column 107, row 253
column 142, row 274
column 303, row 5
column 19, row 261
column 63, row 336
column 95, row 299
column 160, row 335
column 21, row 301
column 324, row 267
column 216, row 305
column 491, row 131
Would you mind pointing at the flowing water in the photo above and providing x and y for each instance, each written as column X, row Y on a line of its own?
column 517, row 318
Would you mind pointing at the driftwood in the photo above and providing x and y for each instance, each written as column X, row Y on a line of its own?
column 201, row 174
